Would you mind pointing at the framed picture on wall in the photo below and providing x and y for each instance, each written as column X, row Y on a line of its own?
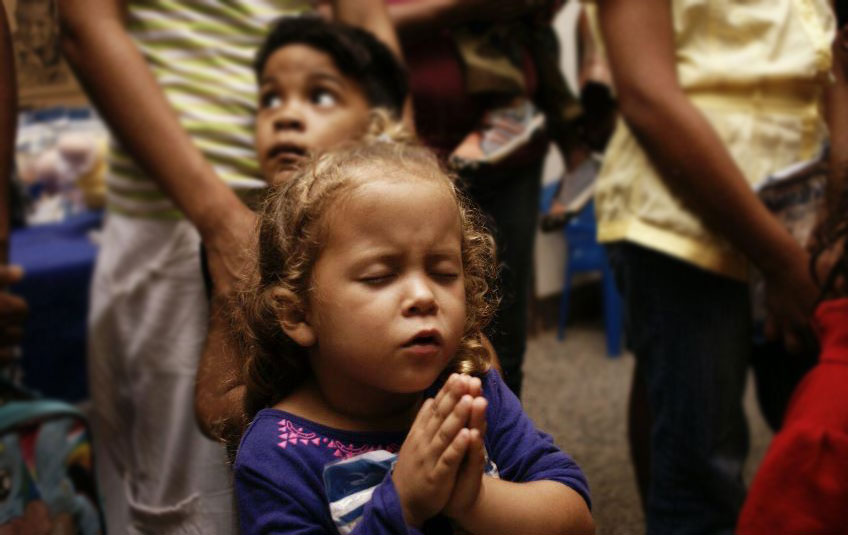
column 44, row 78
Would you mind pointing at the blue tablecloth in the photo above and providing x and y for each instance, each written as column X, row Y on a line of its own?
column 58, row 260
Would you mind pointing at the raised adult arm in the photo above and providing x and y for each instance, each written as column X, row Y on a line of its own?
column 121, row 85
column 691, row 158
column 373, row 15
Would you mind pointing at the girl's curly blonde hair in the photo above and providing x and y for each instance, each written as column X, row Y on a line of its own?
column 291, row 232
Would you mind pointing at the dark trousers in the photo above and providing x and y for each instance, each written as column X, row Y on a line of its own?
column 690, row 331
column 510, row 198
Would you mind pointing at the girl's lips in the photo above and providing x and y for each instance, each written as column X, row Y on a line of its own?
column 423, row 338
column 426, row 344
column 423, row 350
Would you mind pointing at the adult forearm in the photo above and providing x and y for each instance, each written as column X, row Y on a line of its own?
column 695, row 165
column 371, row 15
column 219, row 388
column 540, row 507
column 686, row 151
column 125, row 92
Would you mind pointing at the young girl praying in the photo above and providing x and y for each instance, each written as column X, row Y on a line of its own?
column 374, row 407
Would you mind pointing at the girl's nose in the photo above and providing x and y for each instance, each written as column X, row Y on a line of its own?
column 421, row 300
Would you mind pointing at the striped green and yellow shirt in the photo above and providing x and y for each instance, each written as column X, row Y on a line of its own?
column 201, row 52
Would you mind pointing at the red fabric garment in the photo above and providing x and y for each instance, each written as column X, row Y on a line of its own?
column 802, row 485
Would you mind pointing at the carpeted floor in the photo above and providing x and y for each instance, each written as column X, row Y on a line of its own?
column 575, row 392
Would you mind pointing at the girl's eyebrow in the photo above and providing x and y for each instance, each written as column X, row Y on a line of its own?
column 392, row 258
column 445, row 254
column 374, row 256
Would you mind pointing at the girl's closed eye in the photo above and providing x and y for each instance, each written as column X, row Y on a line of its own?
column 377, row 278
column 446, row 270
column 445, row 275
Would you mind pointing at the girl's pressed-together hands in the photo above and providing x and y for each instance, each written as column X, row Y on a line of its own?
column 440, row 465
column 468, row 487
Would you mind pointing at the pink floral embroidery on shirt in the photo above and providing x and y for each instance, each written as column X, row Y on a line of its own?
column 291, row 435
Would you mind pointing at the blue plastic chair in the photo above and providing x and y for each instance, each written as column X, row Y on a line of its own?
column 585, row 254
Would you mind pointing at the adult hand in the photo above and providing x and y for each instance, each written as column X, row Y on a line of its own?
column 13, row 312
column 433, row 451
column 824, row 264
column 790, row 298
column 227, row 244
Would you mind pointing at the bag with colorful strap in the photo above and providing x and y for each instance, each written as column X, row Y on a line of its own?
column 47, row 483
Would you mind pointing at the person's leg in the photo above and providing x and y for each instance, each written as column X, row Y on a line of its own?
column 638, row 408
column 175, row 480
column 110, row 413
column 510, row 197
column 690, row 331
column 639, row 433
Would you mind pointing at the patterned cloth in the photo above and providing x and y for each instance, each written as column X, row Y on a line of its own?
column 201, row 53
column 351, row 482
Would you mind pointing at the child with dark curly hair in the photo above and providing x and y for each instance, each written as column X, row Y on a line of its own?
column 373, row 403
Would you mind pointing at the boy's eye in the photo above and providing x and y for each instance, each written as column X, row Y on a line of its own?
column 324, row 98
column 270, row 100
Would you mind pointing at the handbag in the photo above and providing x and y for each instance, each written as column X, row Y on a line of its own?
column 47, row 483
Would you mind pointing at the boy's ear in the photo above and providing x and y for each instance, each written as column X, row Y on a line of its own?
column 292, row 317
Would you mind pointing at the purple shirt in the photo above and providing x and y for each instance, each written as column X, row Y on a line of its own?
column 280, row 464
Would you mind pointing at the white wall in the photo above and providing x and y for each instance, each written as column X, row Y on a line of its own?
column 550, row 247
